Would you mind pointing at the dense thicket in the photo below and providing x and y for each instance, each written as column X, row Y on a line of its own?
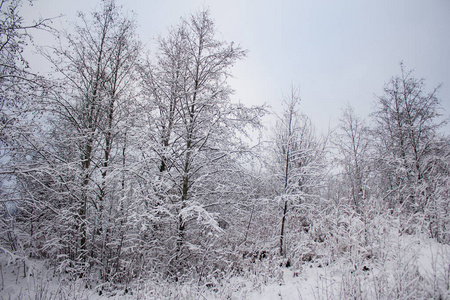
column 124, row 166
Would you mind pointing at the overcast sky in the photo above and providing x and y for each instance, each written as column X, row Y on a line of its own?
column 336, row 52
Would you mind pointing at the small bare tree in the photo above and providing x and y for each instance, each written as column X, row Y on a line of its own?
column 353, row 145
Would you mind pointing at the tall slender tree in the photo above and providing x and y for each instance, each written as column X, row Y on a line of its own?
column 298, row 157
column 92, row 110
column 353, row 145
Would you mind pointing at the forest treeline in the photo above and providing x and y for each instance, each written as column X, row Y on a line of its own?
column 120, row 165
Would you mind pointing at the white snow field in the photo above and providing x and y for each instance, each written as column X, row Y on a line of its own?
column 407, row 267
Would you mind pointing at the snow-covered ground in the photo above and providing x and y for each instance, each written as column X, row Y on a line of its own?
column 411, row 267
column 423, row 264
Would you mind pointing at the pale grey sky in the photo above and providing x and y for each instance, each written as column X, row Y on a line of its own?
column 337, row 52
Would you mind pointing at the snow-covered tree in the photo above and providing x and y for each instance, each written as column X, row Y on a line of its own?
column 20, row 129
column 194, row 135
column 406, row 129
column 90, row 112
column 299, row 161
column 412, row 154
column 352, row 142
